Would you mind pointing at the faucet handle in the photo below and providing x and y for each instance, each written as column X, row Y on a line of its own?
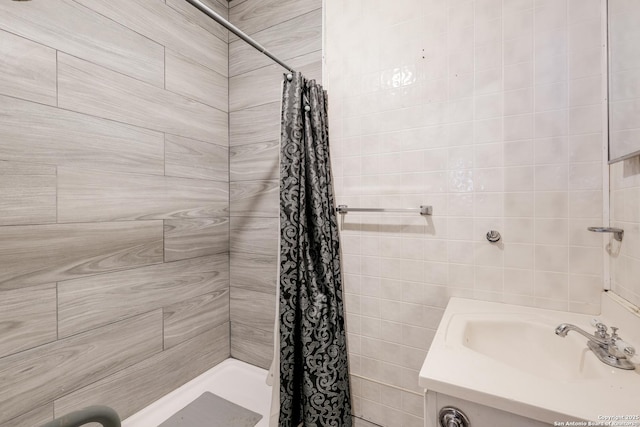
column 601, row 328
column 625, row 347
column 621, row 345
column 628, row 350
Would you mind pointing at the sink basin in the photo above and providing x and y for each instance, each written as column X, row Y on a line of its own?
column 527, row 348
column 509, row 358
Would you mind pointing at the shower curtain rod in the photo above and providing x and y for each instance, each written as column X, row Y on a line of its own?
column 237, row 31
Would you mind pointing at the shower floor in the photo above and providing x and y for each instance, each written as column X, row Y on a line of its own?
column 236, row 381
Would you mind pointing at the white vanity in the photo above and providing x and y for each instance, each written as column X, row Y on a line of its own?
column 503, row 365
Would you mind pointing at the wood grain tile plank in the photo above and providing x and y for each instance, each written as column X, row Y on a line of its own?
column 224, row 4
column 194, row 15
column 253, row 309
column 187, row 77
column 27, row 318
column 191, row 238
column 190, row 318
column 255, row 124
column 135, row 387
column 255, row 272
column 39, row 254
column 37, row 376
column 255, row 198
column 40, row 134
column 251, row 345
column 91, row 89
column 27, row 70
column 288, row 39
column 252, row 16
column 27, row 193
column 253, row 162
column 190, row 158
column 164, row 25
column 254, row 235
column 58, row 24
column 263, row 85
column 103, row 196
column 98, row 300
column 35, row 417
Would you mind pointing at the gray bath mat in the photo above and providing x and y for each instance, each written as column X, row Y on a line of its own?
column 210, row 410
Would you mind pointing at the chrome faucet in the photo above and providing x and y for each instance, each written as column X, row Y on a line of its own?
column 610, row 349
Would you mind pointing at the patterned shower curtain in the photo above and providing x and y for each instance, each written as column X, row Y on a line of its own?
column 314, row 371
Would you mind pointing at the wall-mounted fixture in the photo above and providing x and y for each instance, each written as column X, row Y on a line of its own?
column 422, row 210
column 618, row 233
column 493, row 236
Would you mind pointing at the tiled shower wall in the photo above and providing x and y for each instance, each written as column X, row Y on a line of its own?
column 114, row 278
column 292, row 31
column 491, row 111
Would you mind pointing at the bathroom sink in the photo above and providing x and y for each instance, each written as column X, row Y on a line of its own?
column 526, row 346
column 509, row 358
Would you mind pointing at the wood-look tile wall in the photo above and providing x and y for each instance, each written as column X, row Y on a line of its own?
column 114, row 203
column 292, row 30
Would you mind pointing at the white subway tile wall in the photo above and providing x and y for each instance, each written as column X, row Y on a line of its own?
column 489, row 110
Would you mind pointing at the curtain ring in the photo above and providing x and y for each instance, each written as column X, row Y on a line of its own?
column 289, row 76
column 307, row 108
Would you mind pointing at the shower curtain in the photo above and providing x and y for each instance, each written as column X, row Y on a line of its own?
column 314, row 372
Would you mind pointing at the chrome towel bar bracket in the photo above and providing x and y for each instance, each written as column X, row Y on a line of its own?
column 422, row 210
column 618, row 233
